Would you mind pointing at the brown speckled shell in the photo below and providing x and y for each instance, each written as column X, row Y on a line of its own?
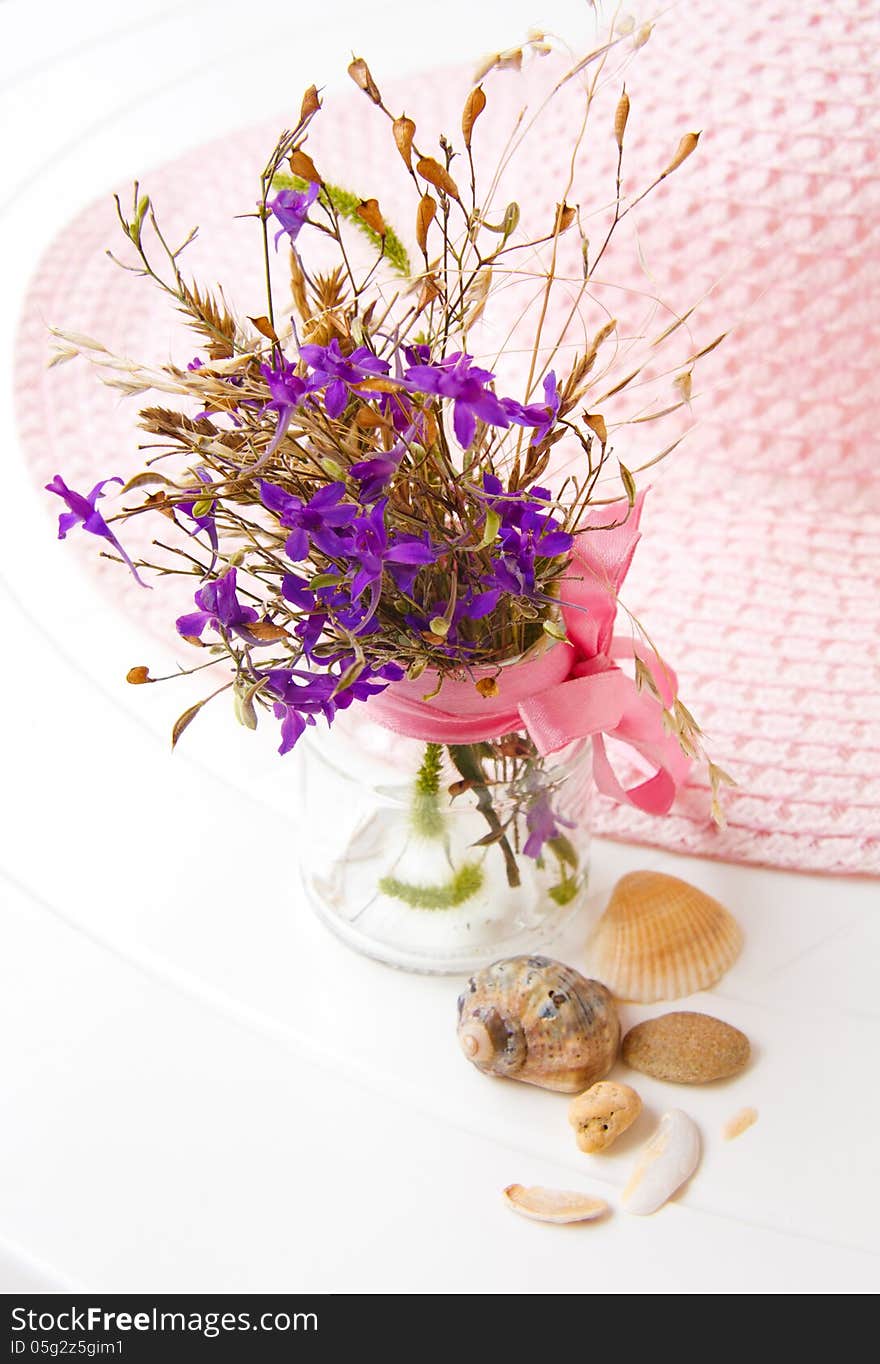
column 541, row 1022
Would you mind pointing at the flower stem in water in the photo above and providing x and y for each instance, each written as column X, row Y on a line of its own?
column 427, row 817
column 460, row 887
column 467, row 762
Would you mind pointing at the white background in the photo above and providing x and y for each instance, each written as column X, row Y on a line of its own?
column 201, row 1090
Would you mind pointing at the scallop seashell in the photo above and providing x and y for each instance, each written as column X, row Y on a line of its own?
column 668, row 1160
column 533, row 1019
column 553, row 1205
column 661, row 938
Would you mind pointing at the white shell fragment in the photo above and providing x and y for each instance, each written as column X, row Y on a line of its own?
column 668, row 1160
column 553, row 1205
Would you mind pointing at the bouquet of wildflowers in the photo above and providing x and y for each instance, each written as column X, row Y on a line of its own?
column 372, row 518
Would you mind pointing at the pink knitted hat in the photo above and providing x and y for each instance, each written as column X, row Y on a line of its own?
column 759, row 567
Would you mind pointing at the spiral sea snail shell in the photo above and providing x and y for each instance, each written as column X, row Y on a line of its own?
column 536, row 1020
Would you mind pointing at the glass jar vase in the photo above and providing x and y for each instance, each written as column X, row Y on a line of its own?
column 442, row 858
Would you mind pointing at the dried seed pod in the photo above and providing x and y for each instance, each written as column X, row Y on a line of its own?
column 536, row 1020
column 298, row 287
column 424, row 217
column 686, row 146
column 565, row 216
column 596, row 422
column 404, row 131
column 368, row 212
column 621, row 114
column 301, row 164
column 363, row 79
column 473, row 107
column 510, row 221
column 311, row 103
column 438, row 176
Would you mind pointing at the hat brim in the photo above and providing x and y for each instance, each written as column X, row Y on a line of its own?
column 759, row 570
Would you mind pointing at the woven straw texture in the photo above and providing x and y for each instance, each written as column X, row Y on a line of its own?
column 759, row 568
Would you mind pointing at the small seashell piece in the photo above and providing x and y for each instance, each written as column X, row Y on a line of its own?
column 599, row 1115
column 739, row 1123
column 536, row 1020
column 686, row 1048
column 661, row 938
column 553, row 1205
column 668, row 1160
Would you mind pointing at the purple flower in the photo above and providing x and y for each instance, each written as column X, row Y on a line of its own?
column 470, row 605
column 371, row 551
column 205, row 520
column 301, row 696
column 522, row 512
column 339, row 372
column 526, row 533
column 540, row 416
column 82, row 512
column 320, row 521
column 287, row 390
column 374, row 475
column 291, row 208
column 457, row 379
column 220, row 608
column 542, row 825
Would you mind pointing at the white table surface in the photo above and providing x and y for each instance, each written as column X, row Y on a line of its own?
column 201, row 1089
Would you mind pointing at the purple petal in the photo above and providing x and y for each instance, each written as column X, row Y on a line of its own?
column 193, row 625
column 363, row 579
column 533, row 844
column 277, row 500
column 327, row 497
column 411, row 552
column 482, row 604
column 297, row 546
column 489, row 409
column 227, row 603
column 292, row 726
column 335, row 398
column 553, row 543
column 296, row 589
column 464, row 424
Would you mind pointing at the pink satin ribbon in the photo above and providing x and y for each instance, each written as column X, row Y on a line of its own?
column 573, row 691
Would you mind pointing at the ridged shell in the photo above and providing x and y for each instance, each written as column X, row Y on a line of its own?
column 536, row 1020
column 661, row 938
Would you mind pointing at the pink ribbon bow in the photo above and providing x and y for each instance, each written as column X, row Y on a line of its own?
column 573, row 691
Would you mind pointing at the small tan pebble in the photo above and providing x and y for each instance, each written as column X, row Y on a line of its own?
column 553, row 1205
column 599, row 1115
column 739, row 1123
column 667, row 1162
column 686, row 1048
